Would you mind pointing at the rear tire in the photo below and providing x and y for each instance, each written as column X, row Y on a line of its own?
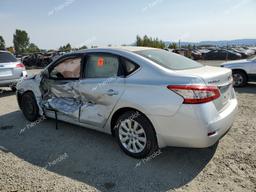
column 240, row 78
column 29, row 106
column 135, row 135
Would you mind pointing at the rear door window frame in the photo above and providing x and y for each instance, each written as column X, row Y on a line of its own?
column 120, row 72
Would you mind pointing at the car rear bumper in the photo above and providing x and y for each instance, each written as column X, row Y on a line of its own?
column 12, row 81
column 190, row 126
column 8, row 82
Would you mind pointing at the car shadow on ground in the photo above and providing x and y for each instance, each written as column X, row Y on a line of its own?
column 249, row 88
column 4, row 92
column 95, row 158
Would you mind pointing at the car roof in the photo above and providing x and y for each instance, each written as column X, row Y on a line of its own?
column 118, row 48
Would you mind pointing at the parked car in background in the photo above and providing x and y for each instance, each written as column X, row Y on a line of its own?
column 196, row 55
column 249, row 50
column 192, row 54
column 145, row 97
column 40, row 59
column 11, row 70
column 222, row 55
column 243, row 53
column 37, row 59
column 243, row 70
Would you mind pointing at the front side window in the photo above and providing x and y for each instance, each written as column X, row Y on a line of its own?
column 101, row 66
column 169, row 60
column 67, row 69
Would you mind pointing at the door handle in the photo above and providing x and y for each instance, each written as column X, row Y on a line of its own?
column 111, row 92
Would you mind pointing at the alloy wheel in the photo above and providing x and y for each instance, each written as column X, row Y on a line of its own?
column 132, row 136
column 238, row 79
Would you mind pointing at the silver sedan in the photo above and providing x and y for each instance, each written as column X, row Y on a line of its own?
column 11, row 70
column 243, row 70
column 147, row 98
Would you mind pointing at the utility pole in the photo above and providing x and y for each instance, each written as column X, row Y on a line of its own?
column 227, row 52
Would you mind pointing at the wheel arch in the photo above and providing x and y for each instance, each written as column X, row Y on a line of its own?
column 242, row 70
column 121, row 111
column 19, row 96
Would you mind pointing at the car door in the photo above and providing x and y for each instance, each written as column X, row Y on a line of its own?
column 223, row 54
column 252, row 67
column 60, row 87
column 101, row 87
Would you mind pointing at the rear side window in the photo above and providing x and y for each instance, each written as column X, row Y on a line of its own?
column 169, row 60
column 6, row 57
column 129, row 66
column 101, row 66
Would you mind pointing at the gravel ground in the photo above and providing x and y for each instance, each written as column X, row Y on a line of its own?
column 41, row 158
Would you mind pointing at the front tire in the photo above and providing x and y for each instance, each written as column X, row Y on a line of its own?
column 29, row 106
column 135, row 135
column 240, row 78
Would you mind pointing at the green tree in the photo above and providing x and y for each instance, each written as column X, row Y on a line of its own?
column 2, row 43
column 20, row 41
column 65, row 48
column 83, row 47
column 138, row 41
column 32, row 48
column 172, row 46
column 149, row 42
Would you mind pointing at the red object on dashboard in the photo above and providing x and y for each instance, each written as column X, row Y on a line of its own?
column 100, row 62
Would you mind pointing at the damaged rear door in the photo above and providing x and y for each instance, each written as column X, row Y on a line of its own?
column 101, row 87
column 60, row 88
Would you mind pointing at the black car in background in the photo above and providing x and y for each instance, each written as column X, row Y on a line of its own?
column 222, row 54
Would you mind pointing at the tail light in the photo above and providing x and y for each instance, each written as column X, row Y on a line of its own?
column 195, row 94
column 20, row 65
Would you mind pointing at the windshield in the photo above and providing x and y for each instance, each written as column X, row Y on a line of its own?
column 169, row 60
column 6, row 57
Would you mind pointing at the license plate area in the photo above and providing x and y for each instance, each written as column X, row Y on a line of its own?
column 5, row 72
column 226, row 93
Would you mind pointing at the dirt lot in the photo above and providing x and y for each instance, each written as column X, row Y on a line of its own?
column 41, row 158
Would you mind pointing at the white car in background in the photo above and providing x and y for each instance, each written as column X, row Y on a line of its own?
column 147, row 98
column 243, row 70
column 11, row 70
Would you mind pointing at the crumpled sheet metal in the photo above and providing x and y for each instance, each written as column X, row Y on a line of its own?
column 67, row 106
column 74, row 100
column 61, row 90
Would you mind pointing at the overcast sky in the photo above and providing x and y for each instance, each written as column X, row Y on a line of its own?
column 51, row 23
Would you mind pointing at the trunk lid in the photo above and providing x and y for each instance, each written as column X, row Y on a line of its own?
column 211, row 75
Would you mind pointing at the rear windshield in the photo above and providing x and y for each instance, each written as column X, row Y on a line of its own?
column 169, row 60
column 6, row 57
